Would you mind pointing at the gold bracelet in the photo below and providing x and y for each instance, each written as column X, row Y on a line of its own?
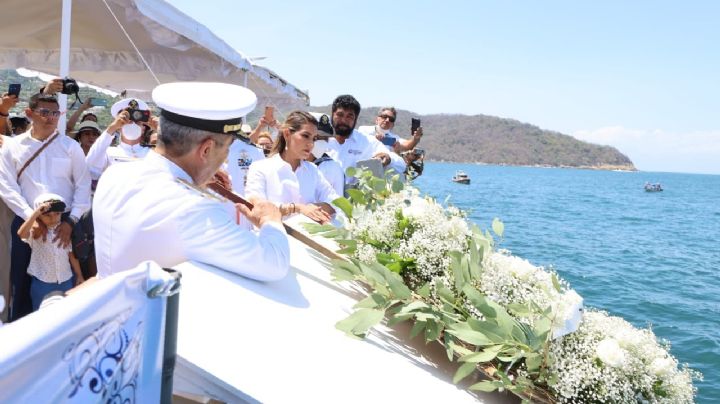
column 293, row 206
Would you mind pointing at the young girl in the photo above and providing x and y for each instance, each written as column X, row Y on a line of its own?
column 51, row 266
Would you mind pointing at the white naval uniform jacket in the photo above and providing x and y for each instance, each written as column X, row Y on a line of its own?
column 142, row 211
column 359, row 147
column 274, row 179
column 101, row 155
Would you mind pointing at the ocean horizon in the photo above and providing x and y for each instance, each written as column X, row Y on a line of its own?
column 650, row 258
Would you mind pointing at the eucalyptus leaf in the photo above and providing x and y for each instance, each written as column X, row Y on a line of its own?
column 484, row 356
column 375, row 300
column 556, row 283
column 424, row 291
column 344, row 205
column 498, row 227
column 432, row 330
column 351, row 171
column 471, row 336
column 342, row 274
column 358, row 323
column 417, row 328
column 378, row 184
column 464, row 371
column 357, row 196
column 533, row 362
column 486, row 386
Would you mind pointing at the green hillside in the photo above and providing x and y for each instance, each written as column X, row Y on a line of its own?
column 492, row 140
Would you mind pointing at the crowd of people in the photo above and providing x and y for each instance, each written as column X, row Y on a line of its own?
column 101, row 200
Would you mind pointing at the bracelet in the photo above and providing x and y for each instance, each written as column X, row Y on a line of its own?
column 292, row 204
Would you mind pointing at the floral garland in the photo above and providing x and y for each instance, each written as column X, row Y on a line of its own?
column 521, row 324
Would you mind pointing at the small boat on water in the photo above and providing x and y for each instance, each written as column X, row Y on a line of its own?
column 461, row 177
column 657, row 187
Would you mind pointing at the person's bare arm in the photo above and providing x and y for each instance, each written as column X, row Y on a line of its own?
column 24, row 230
column 75, row 264
column 403, row 145
column 6, row 103
column 76, row 115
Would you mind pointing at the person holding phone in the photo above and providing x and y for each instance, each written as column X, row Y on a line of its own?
column 7, row 102
column 382, row 130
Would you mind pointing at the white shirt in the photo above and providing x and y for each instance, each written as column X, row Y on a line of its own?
column 240, row 157
column 49, row 262
column 370, row 131
column 274, row 179
column 59, row 169
column 359, row 147
column 334, row 174
column 101, row 155
column 142, row 211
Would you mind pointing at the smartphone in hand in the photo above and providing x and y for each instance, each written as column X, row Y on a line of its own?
column 389, row 140
column 414, row 125
column 269, row 113
column 14, row 89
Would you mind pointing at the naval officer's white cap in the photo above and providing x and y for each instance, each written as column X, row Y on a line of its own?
column 133, row 103
column 214, row 107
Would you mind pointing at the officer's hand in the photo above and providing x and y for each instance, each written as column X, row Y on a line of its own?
column 383, row 157
column 122, row 119
column 62, row 234
column 222, row 177
column 262, row 213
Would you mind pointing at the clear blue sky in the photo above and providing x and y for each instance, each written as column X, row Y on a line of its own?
column 643, row 76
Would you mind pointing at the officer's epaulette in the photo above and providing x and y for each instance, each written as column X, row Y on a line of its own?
column 203, row 192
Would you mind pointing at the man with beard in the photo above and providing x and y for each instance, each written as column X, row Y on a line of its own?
column 382, row 130
column 349, row 146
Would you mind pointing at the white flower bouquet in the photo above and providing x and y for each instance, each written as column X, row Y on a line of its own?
column 519, row 323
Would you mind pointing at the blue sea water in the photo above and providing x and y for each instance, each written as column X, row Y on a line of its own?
column 651, row 258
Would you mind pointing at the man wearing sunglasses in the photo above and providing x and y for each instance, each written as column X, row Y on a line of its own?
column 382, row 130
column 33, row 163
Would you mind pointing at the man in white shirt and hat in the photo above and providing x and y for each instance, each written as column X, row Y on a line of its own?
column 33, row 163
column 130, row 115
column 158, row 208
column 349, row 146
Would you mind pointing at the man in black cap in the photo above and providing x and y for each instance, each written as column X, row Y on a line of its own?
column 157, row 208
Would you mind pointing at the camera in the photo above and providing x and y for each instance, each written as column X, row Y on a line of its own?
column 70, row 86
column 419, row 151
column 138, row 115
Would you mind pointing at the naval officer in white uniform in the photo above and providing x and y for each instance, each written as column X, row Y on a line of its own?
column 157, row 208
column 101, row 155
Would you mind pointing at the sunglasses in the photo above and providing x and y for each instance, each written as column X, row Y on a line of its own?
column 388, row 117
column 44, row 112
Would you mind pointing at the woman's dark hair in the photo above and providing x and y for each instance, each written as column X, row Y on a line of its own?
column 292, row 124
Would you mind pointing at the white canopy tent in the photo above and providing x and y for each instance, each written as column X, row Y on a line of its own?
column 130, row 45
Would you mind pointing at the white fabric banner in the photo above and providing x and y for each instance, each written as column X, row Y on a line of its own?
column 103, row 343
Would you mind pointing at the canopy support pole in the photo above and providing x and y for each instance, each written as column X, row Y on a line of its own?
column 64, row 57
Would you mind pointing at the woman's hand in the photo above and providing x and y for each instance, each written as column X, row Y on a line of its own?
column 315, row 213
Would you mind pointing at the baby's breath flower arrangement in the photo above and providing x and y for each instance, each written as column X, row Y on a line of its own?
column 519, row 323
